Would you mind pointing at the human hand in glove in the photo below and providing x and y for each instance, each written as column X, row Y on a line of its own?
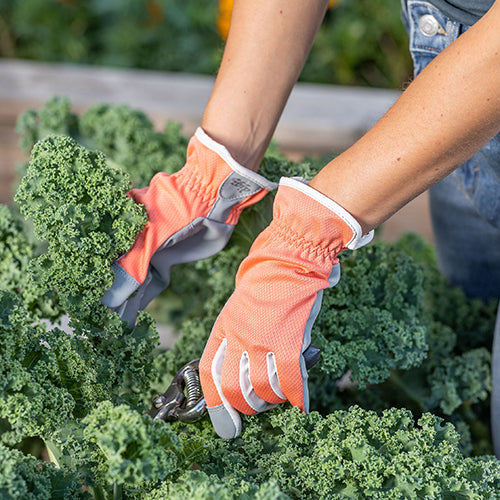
column 191, row 215
column 254, row 357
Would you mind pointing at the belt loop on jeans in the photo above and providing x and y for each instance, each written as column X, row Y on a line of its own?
column 452, row 31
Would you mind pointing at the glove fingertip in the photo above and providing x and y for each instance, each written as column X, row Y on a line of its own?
column 227, row 423
column 123, row 286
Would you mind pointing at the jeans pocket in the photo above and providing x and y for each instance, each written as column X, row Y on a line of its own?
column 430, row 32
column 479, row 181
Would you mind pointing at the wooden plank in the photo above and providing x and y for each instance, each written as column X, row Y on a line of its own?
column 317, row 118
column 10, row 154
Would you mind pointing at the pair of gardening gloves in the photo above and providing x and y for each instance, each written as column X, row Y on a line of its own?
column 254, row 357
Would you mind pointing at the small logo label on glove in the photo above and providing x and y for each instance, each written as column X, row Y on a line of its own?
column 237, row 187
column 241, row 185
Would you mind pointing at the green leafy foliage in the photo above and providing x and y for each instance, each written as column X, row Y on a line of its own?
column 33, row 397
column 78, row 204
column 55, row 117
column 361, row 42
column 459, row 379
column 397, row 343
column 134, row 450
column 196, row 485
column 372, row 321
column 17, row 249
column 158, row 34
column 49, row 378
column 38, row 29
column 354, row 454
column 126, row 136
column 27, row 478
column 62, row 385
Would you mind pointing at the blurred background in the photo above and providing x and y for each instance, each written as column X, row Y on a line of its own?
column 361, row 46
column 361, row 42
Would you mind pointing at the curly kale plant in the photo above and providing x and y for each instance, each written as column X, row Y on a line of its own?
column 392, row 334
column 197, row 485
column 49, row 378
column 126, row 136
column 82, row 396
column 352, row 453
column 55, row 117
column 16, row 251
column 25, row 477
column 372, row 321
column 78, row 203
column 131, row 450
column 17, row 248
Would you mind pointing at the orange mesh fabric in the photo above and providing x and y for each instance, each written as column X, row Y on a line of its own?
column 173, row 201
column 276, row 288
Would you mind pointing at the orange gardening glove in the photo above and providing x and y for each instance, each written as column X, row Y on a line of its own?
column 191, row 215
column 254, row 357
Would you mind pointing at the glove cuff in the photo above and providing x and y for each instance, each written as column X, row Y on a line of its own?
column 225, row 155
column 358, row 239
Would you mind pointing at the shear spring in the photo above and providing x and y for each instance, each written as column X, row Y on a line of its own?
column 183, row 400
column 192, row 388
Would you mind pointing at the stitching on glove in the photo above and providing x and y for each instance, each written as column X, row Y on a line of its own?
column 197, row 186
column 303, row 186
column 281, row 232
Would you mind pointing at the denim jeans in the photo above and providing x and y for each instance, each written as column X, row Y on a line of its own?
column 465, row 206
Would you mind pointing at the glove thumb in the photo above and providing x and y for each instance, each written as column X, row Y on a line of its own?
column 226, row 421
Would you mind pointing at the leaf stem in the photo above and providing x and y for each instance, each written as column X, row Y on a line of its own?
column 98, row 493
column 54, row 453
column 117, row 491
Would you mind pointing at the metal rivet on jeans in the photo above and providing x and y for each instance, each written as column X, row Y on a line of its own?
column 429, row 25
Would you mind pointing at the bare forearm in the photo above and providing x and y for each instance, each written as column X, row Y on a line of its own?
column 448, row 113
column 267, row 46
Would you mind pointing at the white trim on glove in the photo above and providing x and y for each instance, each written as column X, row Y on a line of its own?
column 358, row 240
column 221, row 150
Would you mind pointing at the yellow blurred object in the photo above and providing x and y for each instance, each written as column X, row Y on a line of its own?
column 226, row 9
column 156, row 12
column 224, row 18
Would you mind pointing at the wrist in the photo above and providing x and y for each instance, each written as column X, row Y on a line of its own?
column 244, row 142
column 220, row 149
column 343, row 187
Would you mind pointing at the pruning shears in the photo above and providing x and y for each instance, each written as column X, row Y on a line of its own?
column 184, row 401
